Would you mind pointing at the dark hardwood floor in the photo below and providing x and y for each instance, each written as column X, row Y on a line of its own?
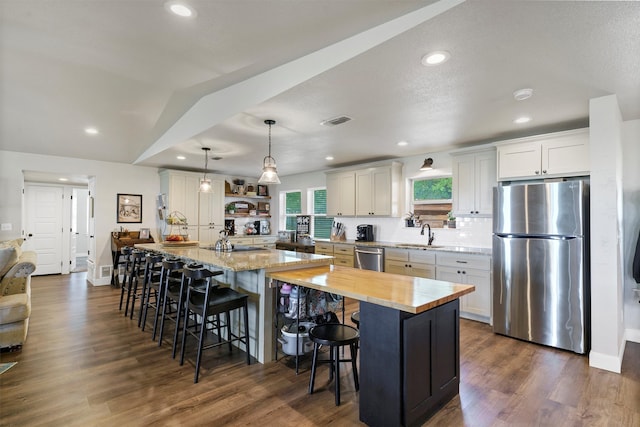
column 85, row 364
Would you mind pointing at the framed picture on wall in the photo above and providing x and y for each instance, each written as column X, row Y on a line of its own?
column 263, row 190
column 129, row 208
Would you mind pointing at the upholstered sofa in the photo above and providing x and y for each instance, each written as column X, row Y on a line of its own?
column 16, row 267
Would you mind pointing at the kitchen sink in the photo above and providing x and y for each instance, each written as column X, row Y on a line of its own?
column 417, row 246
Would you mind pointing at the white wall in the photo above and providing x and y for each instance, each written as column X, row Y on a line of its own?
column 472, row 232
column 110, row 179
column 607, row 320
column 631, row 188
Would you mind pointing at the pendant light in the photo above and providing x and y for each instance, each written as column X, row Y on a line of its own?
column 427, row 165
column 205, row 183
column 269, row 172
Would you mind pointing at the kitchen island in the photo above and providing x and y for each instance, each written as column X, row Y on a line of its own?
column 409, row 339
column 245, row 271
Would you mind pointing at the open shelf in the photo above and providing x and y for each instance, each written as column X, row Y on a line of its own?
column 245, row 196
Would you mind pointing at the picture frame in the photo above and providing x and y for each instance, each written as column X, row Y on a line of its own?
column 263, row 190
column 129, row 208
column 144, row 233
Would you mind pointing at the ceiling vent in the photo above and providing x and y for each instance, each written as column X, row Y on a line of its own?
column 335, row 121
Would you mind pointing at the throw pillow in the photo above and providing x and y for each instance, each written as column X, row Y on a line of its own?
column 15, row 243
column 8, row 257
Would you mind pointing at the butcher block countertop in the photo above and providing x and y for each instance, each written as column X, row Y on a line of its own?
column 261, row 258
column 405, row 293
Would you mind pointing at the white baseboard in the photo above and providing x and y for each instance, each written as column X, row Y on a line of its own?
column 632, row 335
column 607, row 361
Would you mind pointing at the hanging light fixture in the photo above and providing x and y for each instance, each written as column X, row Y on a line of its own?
column 269, row 171
column 427, row 165
column 205, row 183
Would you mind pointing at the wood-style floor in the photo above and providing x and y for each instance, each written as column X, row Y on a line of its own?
column 85, row 364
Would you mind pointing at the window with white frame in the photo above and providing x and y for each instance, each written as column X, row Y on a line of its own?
column 431, row 199
column 290, row 206
column 320, row 222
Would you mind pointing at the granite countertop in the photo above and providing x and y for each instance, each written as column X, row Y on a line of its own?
column 405, row 293
column 239, row 261
column 399, row 245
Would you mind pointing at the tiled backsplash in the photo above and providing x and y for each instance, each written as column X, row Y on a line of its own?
column 471, row 232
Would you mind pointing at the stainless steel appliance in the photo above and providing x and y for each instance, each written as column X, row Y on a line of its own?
column 369, row 258
column 364, row 233
column 541, row 263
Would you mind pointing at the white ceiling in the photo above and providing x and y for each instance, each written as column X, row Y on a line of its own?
column 157, row 85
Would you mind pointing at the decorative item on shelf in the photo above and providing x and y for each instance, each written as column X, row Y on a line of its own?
column 410, row 220
column 251, row 190
column 451, row 220
column 269, row 171
column 263, row 190
column 230, row 208
column 239, row 186
column 263, row 208
column 227, row 188
column 205, row 184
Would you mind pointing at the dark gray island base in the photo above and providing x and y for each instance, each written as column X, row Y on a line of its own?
column 409, row 363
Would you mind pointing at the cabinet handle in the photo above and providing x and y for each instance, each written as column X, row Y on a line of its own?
column 537, row 172
column 461, row 262
column 464, row 272
column 458, row 271
column 544, row 171
column 470, row 212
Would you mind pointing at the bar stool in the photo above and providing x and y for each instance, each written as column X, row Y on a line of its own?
column 172, row 294
column 334, row 335
column 355, row 318
column 211, row 300
column 135, row 277
column 151, row 283
column 124, row 261
column 131, row 277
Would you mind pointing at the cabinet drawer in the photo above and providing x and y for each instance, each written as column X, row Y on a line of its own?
column 426, row 256
column 325, row 248
column 343, row 249
column 394, row 266
column 260, row 240
column 396, row 254
column 241, row 240
column 345, row 261
column 480, row 262
column 418, row 269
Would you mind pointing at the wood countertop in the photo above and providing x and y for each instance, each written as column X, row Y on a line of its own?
column 405, row 293
column 239, row 261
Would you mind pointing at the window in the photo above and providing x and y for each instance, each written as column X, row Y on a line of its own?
column 292, row 201
column 321, row 223
column 432, row 199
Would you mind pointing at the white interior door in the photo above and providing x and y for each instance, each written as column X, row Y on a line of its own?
column 43, row 229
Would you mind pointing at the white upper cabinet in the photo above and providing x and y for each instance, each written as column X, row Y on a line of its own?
column 372, row 191
column 551, row 155
column 341, row 194
column 474, row 176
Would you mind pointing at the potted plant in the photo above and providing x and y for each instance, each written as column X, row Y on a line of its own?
column 410, row 219
column 451, row 220
column 231, row 208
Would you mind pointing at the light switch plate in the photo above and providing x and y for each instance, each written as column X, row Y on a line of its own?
column 6, row 226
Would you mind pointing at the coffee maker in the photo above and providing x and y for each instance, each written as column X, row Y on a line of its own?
column 364, row 233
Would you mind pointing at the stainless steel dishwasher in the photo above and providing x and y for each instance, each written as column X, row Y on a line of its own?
column 370, row 258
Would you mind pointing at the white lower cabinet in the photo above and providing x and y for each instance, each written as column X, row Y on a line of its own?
column 409, row 262
column 468, row 269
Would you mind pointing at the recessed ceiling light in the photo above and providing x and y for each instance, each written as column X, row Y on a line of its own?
column 521, row 120
column 63, row 179
column 91, row 131
column 403, row 143
column 181, row 157
column 180, row 9
column 522, row 94
column 435, row 58
column 329, row 158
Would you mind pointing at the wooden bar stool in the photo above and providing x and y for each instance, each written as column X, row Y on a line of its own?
column 334, row 335
column 151, row 284
column 131, row 281
column 206, row 300
column 124, row 262
column 172, row 296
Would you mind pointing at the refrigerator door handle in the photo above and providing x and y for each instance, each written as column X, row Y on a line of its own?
column 534, row 236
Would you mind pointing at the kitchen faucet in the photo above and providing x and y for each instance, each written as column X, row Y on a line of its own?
column 429, row 233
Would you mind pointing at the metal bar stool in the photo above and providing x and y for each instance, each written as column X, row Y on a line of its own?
column 151, row 283
column 208, row 300
column 334, row 335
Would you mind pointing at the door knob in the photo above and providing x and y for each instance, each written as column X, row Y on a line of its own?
column 30, row 235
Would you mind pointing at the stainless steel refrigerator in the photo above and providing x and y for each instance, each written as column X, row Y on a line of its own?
column 541, row 263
